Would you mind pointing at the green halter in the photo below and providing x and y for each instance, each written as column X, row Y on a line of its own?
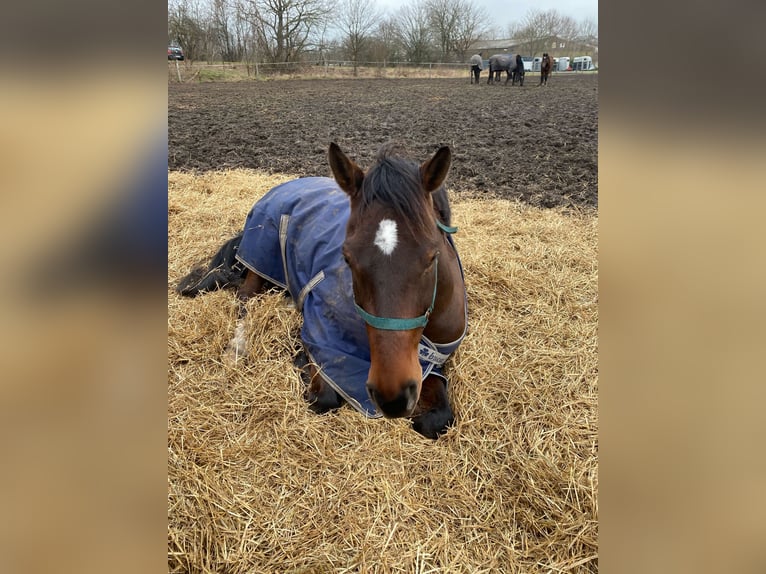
column 392, row 324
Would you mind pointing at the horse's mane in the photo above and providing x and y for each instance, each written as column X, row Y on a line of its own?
column 394, row 180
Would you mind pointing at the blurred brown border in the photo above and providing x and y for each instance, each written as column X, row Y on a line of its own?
column 83, row 337
column 682, row 278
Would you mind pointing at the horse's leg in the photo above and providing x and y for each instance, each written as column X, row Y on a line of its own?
column 433, row 413
column 252, row 284
column 320, row 395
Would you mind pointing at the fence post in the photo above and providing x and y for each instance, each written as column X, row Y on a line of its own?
column 178, row 72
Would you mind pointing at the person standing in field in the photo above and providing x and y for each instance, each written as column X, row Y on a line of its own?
column 475, row 68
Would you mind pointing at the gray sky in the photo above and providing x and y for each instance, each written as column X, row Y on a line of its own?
column 506, row 11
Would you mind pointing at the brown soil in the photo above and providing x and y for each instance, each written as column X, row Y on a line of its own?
column 539, row 145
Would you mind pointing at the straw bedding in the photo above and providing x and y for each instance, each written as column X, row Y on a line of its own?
column 258, row 483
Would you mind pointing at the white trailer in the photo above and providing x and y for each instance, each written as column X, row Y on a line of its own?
column 527, row 63
column 582, row 63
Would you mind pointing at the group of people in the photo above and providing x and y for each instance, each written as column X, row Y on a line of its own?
column 477, row 66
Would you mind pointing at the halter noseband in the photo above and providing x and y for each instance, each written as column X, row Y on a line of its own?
column 393, row 324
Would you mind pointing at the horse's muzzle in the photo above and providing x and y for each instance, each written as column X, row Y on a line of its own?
column 400, row 405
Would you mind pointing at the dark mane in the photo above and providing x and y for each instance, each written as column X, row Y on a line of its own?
column 394, row 181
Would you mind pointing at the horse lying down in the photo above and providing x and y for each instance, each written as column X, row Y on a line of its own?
column 369, row 261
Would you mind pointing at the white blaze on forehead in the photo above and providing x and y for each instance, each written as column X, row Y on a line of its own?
column 386, row 238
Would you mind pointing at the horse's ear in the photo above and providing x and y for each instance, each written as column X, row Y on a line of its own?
column 434, row 171
column 348, row 175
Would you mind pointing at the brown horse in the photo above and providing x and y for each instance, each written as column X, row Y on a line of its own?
column 545, row 69
column 383, row 301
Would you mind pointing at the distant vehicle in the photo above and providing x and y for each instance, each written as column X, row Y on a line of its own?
column 528, row 61
column 582, row 63
column 175, row 53
column 562, row 64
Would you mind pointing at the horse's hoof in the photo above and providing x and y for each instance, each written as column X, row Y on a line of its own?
column 322, row 398
column 432, row 424
column 323, row 402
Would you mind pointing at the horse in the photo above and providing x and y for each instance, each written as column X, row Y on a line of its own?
column 476, row 63
column 545, row 69
column 503, row 63
column 517, row 72
column 369, row 260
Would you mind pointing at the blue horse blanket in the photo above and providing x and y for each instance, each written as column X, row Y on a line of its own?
column 293, row 238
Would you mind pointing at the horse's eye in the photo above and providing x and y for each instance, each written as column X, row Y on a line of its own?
column 431, row 262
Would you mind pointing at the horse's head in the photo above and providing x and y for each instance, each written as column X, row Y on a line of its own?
column 392, row 248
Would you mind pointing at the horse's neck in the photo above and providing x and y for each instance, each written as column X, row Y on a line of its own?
column 447, row 322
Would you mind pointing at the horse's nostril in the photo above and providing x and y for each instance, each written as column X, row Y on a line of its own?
column 401, row 405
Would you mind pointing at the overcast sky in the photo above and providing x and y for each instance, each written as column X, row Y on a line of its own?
column 507, row 12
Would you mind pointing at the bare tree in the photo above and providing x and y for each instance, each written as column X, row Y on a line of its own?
column 415, row 31
column 539, row 29
column 386, row 45
column 223, row 29
column 187, row 28
column 248, row 33
column 356, row 19
column 472, row 23
column 324, row 44
column 443, row 16
column 286, row 28
column 587, row 31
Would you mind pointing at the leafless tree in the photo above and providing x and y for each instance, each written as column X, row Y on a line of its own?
column 587, row 31
column 248, row 33
column 415, row 31
column 385, row 44
column 325, row 43
column 286, row 28
column 472, row 23
column 539, row 29
column 187, row 27
column 356, row 20
column 223, row 30
column 443, row 16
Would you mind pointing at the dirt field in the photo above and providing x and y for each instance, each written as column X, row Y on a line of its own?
column 535, row 144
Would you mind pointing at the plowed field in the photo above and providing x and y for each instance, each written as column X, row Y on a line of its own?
column 537, row 144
